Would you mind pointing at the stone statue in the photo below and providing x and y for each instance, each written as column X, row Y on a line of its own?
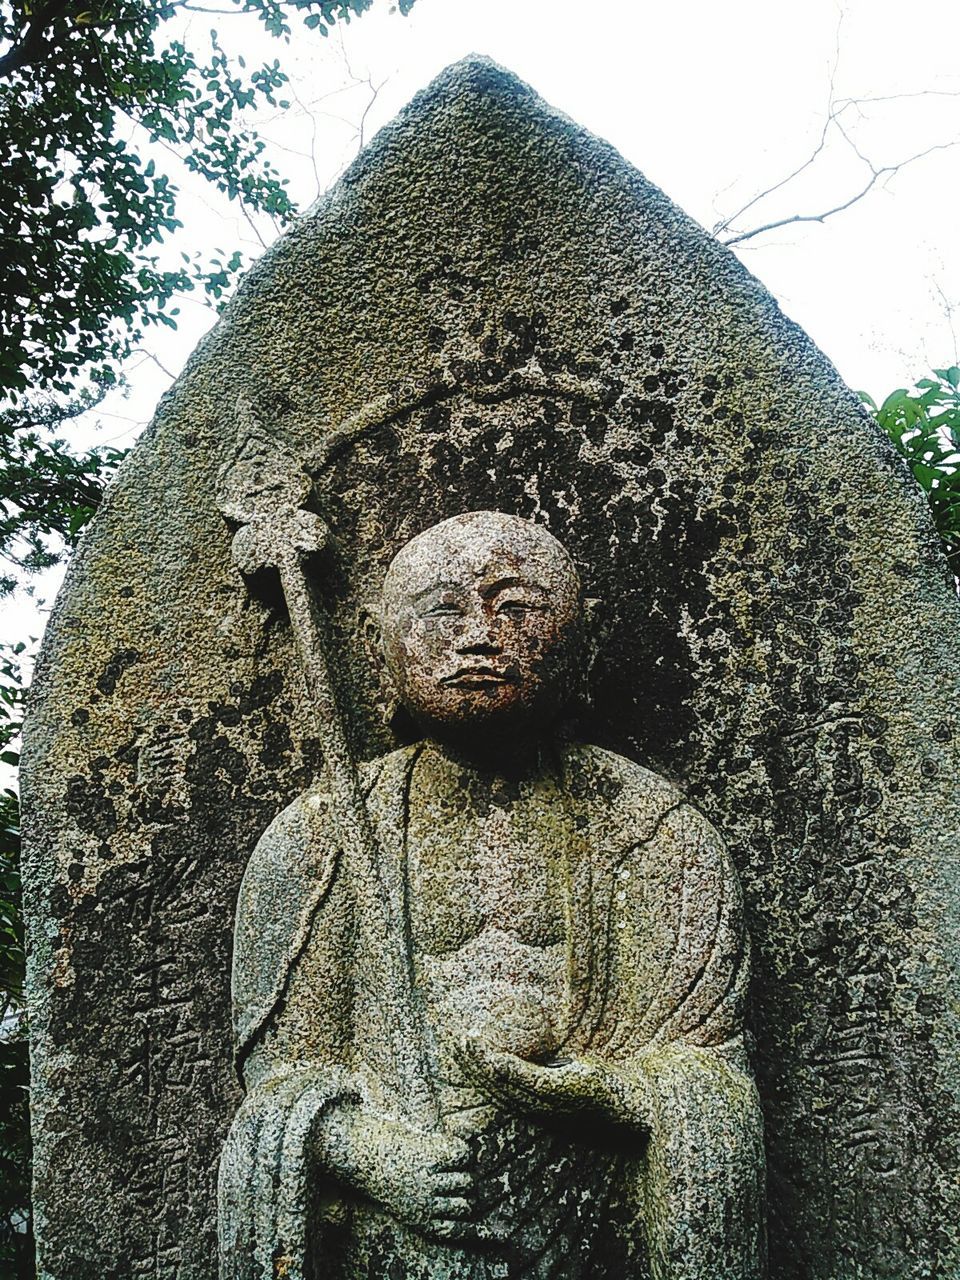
column 520, row 1051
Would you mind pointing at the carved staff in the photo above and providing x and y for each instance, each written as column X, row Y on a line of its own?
column 262, row 490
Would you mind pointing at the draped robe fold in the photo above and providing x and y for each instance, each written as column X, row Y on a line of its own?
column 656, row 973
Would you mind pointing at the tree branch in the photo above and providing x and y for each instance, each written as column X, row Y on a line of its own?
column 33, row 41
column 374, row 93
column 837, row 108
column 948, row 310
column 887, row 170
column 726, row 223
column 150, row 356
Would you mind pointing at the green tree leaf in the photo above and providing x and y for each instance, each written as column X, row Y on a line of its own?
column 924, row 425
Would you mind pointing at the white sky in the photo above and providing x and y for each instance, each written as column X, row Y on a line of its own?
column 713, row 102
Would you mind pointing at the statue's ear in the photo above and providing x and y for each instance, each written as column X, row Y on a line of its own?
column 368, row 619
column 394, row 716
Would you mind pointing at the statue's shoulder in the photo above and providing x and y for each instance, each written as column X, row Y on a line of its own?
column 630, row 805
column 293, row 860
column 294, row 831
column 306, row 830
column 618, row 786
column 386, row 771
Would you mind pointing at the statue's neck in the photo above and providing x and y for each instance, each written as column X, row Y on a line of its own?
column 516, row 758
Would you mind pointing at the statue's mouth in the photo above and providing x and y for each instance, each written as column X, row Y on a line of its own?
column 475, row 678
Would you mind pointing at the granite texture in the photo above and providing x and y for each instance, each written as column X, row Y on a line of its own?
column 492, row 310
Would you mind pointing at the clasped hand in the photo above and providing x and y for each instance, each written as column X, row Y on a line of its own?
column 422, row 1178
column 426, row 1178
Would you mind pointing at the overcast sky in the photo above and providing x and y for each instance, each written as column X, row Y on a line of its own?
column 714, row 103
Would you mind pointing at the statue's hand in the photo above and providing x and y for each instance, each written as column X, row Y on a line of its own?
column 567, row 1088
column 423, row 1179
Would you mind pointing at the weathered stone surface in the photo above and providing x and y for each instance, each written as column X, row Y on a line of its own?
column 492, row 310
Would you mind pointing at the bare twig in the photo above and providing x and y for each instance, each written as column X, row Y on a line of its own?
column 885, row 171
column 844, row 103
column 253, row 226
column 358, row 80
column 374, row 92
column 948, row 310
column 142, row 351
column 313, row 142
column 725, row 225
column 834, row 123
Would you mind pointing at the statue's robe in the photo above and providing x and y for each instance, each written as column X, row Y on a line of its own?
column 656, row 974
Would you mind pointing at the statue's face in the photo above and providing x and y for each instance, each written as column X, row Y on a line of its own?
column 481, row 624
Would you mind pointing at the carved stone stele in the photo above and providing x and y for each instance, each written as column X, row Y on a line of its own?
column 492, row 311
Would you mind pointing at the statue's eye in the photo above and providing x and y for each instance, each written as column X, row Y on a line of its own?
column 515, row 608
column 443, row 609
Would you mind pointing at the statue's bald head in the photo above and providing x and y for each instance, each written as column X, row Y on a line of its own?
column 469, row 543
column 480, row 617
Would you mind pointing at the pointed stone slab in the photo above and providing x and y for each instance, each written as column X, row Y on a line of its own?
column 492, row 309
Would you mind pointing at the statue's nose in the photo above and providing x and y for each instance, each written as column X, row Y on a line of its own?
column 479, row 647
column 477, row 637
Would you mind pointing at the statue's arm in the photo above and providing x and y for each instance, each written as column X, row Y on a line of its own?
column 687, row 1013
column 290, row 882
column 632, row 1095
column 287, row 915
column 310, row 1112
column 704, row 1162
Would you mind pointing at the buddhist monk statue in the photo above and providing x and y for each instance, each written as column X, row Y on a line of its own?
column 525, row 1058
